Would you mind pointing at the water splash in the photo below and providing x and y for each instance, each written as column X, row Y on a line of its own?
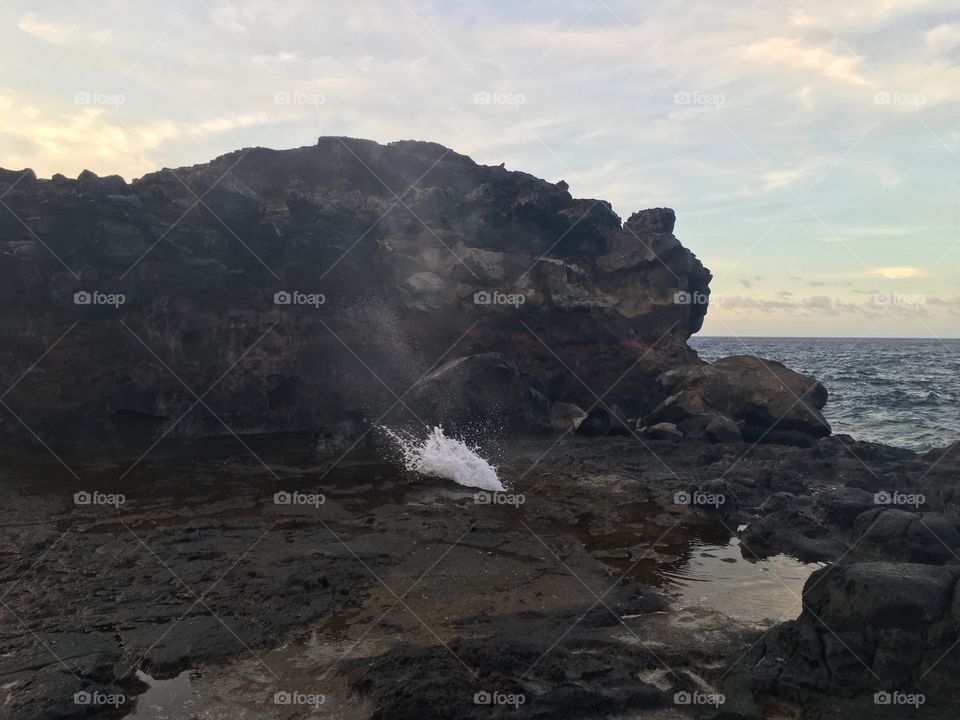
column 440, row 456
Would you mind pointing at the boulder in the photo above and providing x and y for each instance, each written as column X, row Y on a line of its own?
column 89, row 183
column 879, row 595
column 663, row 431
column 790, row 530
column 841, row 505
column 895, row 533
column 602, row 422
column 723, row 430
column 566, row 416
column 948, row 456
column 763, row 398
column 866, row 625
column 654, row 220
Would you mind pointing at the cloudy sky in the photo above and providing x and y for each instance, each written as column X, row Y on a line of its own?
column 810, row 149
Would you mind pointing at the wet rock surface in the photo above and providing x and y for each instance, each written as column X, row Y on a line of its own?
column 397, row 596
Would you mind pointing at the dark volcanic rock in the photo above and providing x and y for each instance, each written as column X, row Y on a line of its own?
column 481, row 389
column 604, row 421
column 866, row 625
column 298, row 292
column 766, row 401
column 880, row 595
column 898, row 534
column 656, row 220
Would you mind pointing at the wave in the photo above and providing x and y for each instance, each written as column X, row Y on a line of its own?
column 450, row 458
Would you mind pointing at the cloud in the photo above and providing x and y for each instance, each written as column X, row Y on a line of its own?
column 818, row 59
column 70, row 140
column 869, row 231
column 901, row 272
column 820, row 304
column 62, row 33
column 821, row 283
column 943, row 38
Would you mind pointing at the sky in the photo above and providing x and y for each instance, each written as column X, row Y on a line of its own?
column 810, row 149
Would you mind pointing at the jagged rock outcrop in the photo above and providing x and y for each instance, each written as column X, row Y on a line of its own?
column 295, row 289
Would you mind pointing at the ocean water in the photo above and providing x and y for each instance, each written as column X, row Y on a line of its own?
column 898, row 392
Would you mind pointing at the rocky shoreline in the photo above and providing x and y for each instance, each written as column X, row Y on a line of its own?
column 404, row 574
column 199, row 519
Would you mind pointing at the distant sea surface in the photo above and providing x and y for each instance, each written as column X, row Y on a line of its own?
column 897, row 392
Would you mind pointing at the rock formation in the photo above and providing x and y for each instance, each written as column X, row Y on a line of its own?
column 301, row 289
column 865, row 627
column 743, row 398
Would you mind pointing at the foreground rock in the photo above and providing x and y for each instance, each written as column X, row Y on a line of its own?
column 866, row 627
column 398, row 593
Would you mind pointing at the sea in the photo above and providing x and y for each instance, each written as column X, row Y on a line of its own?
column 897, row 392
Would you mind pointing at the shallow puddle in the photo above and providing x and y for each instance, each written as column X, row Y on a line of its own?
column 166, row 699
column 718, row 577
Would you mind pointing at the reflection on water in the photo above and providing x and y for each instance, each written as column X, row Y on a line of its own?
column 718, row 577
column 166, row 699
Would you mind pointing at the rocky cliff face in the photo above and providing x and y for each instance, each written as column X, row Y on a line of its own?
column 310, row 288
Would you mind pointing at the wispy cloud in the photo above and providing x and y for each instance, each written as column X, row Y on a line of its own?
column 61, row 33
column 896, row 273
column 820, row 60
